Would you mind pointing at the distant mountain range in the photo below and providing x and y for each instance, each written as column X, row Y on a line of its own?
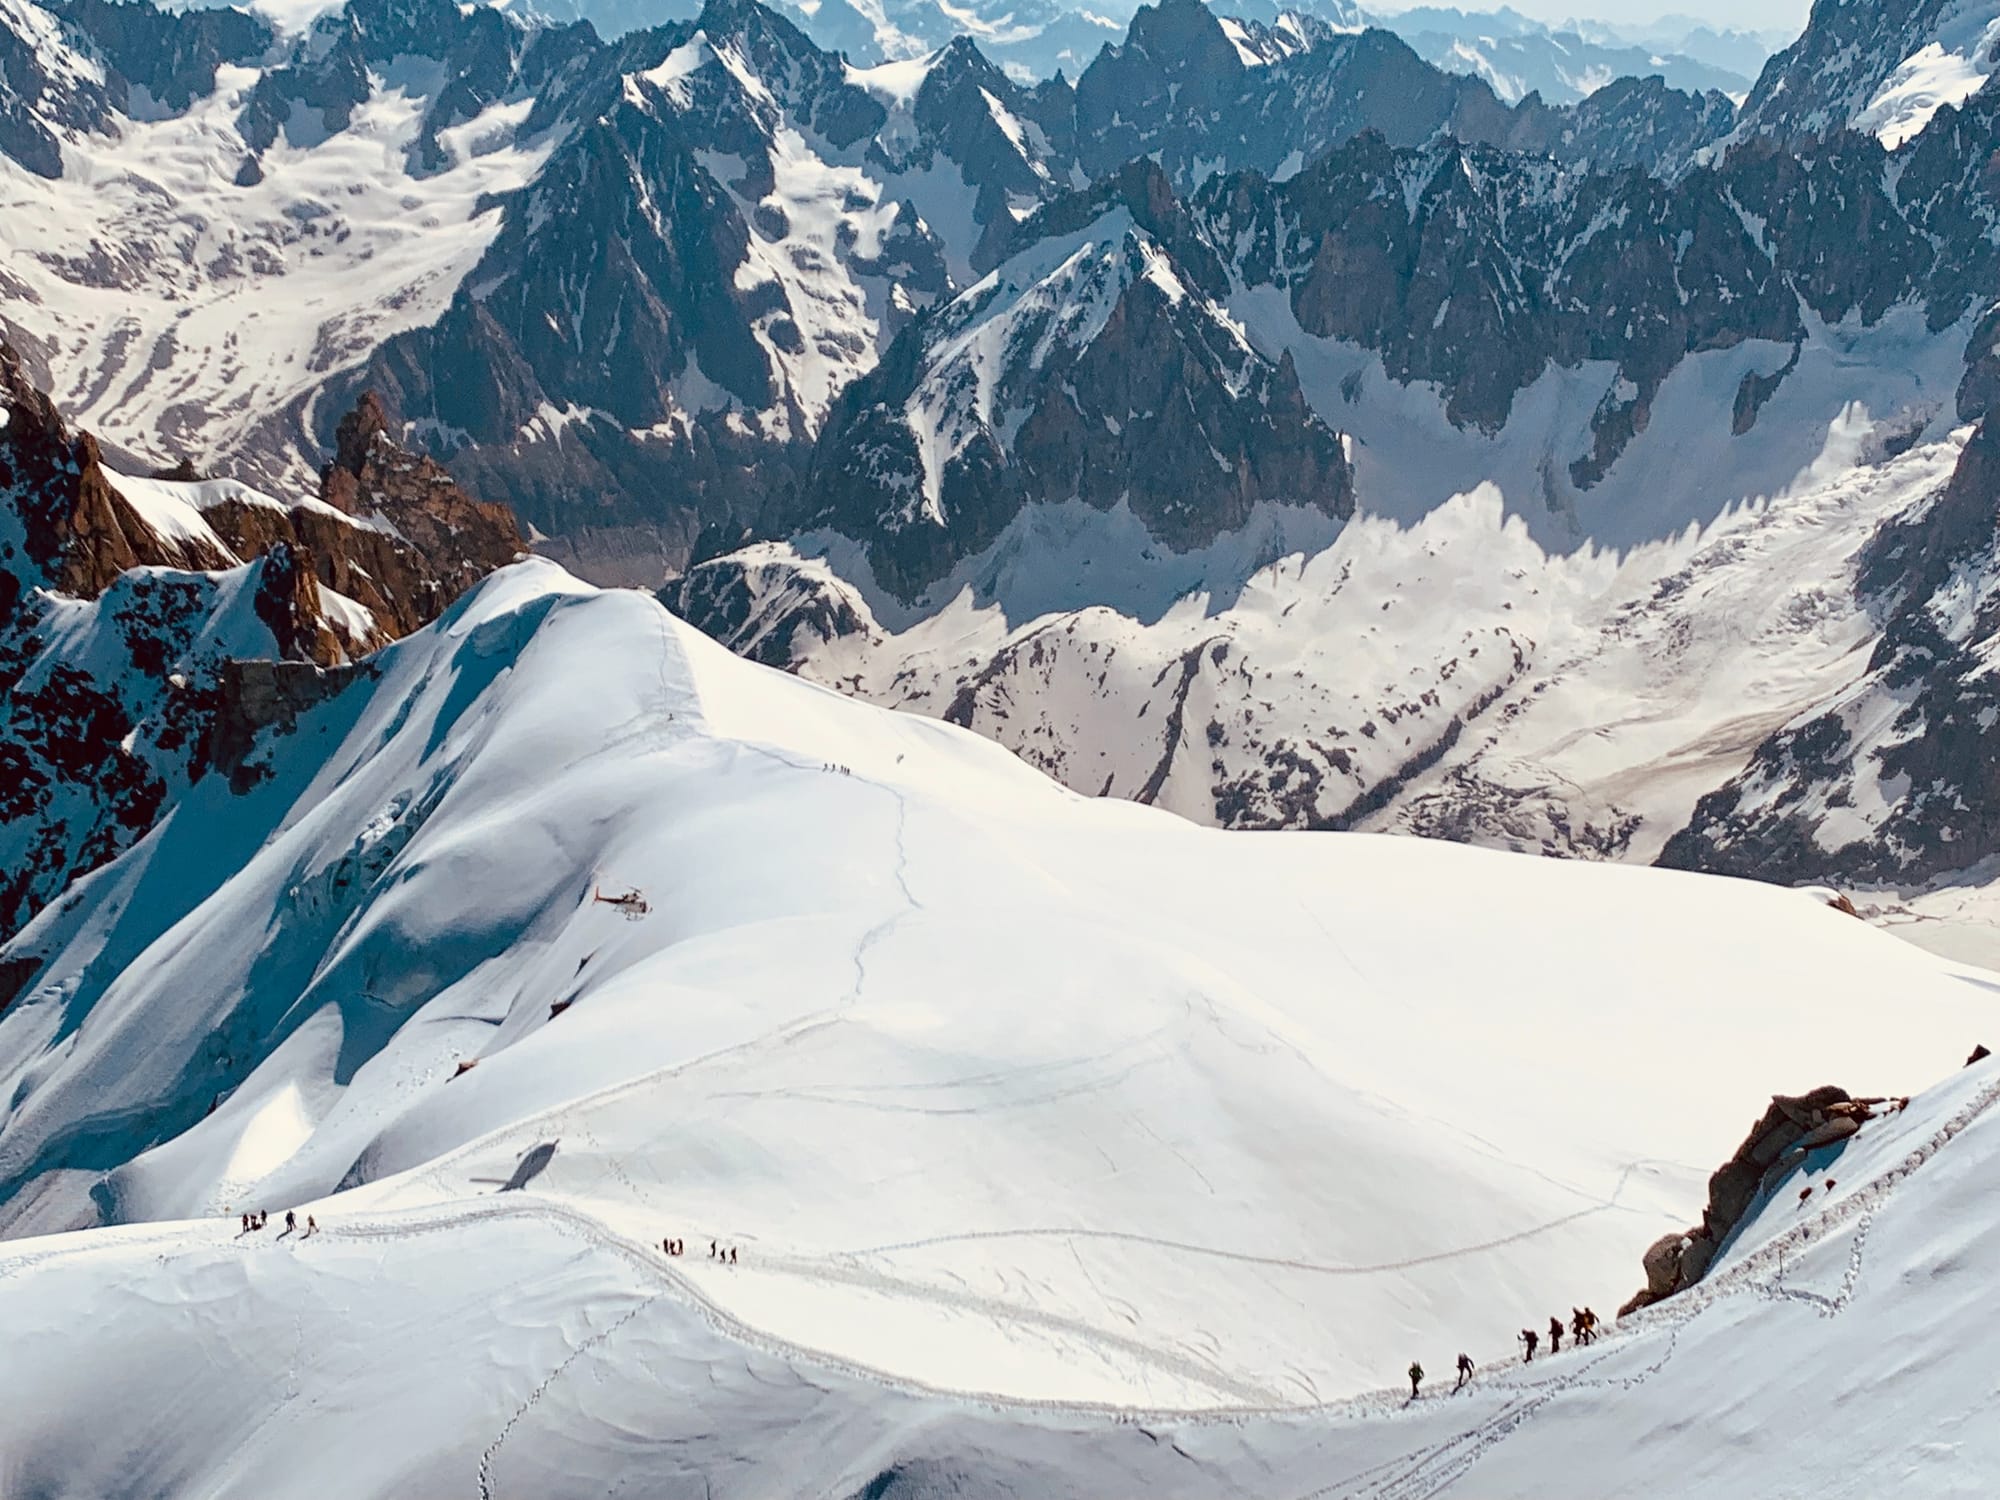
column 1512, row 52
column 843, row 350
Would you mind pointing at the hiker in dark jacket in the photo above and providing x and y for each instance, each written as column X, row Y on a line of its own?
column 1464, row 1371
column 1531, row 1339
column 1555, row 1335
column 1416, row 1378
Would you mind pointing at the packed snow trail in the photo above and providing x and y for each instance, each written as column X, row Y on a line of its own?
column 1371, row 1432
column 1757, row 1274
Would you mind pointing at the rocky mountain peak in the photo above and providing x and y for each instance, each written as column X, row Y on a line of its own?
column 355, row 441
column 457, row 539
column 1884, row 66
column 159, row 583
column 74, row 532
column 1186, row 38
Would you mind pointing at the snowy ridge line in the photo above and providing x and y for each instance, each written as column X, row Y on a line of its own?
column 1458, row 1459
column 1242, row 1257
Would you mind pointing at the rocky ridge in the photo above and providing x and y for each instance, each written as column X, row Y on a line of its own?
column 1094, row 364
column 1784, row 1138
column 123, row 601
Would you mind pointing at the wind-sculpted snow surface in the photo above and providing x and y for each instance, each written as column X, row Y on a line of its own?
column 993, row 1088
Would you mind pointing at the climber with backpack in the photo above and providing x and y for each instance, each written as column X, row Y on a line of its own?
column 1531, row 1339
column 1464, row 1371
column 1416, row 1378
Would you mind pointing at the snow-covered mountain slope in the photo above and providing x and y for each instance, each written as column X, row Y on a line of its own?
column 1448, row 676
column 1621, row 356
column 49, row 89
column 1095, row 364
column 992, row 1089
column 1880, row 66
column 624, row 285
column 598, row 1366
column 1889, row 781
column 1030, row 39
column 189, row 281
column 736, row 231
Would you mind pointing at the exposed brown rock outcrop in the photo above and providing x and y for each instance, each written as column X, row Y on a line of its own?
column 393, row 531
column 1792, row 1127
column 401, row 539
column 80, row 533
column 104, row 724
column 462, row 539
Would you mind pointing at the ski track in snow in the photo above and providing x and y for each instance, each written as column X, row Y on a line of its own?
column 1435, row 1468
column 1423, row 1472
column 1240, row 1256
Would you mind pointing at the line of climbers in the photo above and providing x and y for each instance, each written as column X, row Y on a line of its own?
column 1582, row 1328
column 727, row 1255
column 251, row 1223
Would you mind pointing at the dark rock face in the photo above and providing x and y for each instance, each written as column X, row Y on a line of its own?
column 1849, row 48
column 1475, row 269
column 258, row 696
column 48, row 88
column 1630, row 122
column 957, row 127
column 1912, row 739
column 1117, row 381
column 172, row 55
column 1176, row 90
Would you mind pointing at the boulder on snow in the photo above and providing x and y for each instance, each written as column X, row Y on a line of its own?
column 1837, row 1128
column 1663, row 1263
column 1696, row 1254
